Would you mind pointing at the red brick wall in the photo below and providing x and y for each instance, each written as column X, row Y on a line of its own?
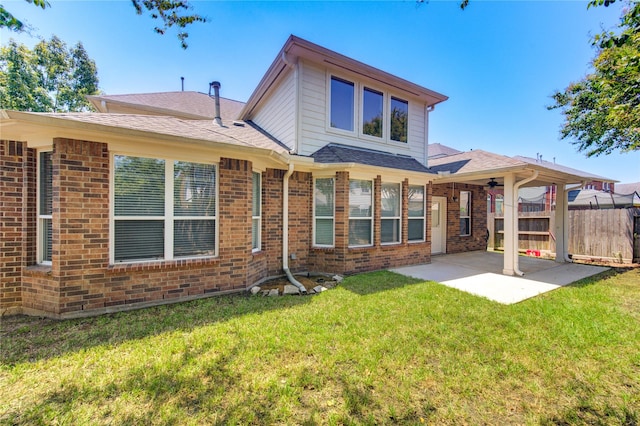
column 272, row 220
column 477, row 240
column 344, row 260
column 17, row 219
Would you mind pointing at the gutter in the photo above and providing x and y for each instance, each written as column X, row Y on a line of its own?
column 516, row 187
column 285, row 230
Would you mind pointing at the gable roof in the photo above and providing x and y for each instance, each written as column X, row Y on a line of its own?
column 296, row 48
column 189, row 105
column 627, row 188
column 338, row 153
column 561, row 168
column 437, row 150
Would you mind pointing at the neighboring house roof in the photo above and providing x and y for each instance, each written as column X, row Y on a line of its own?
column 296, row 48
column 191, row 105
column 239, row 134
column 437, row 150
column 337, row 153
column 595, row 199
column 627, row 188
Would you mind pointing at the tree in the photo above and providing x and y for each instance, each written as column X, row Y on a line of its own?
column 49, row 78
column 602, row 111
column 170, row 12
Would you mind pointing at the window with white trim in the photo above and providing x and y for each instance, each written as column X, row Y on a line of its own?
column 45, row 206
column 399, row 117
column 390, row 212
column 360, row 213
column 256, row 213
column 416, row 213
column 323, row 212
column 342, row 104
column 372, row 112
column 163, row 209
column 465, row 213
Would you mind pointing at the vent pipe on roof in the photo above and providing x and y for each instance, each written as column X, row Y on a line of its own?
column 182, row 81
column 216, row 94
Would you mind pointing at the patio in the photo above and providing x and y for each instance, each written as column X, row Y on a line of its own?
column 480, row 273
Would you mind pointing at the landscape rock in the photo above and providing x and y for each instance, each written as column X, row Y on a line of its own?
column 255, row 290
column 319, row 289
column 337, row 278
column 291, row 289
column 273, row 292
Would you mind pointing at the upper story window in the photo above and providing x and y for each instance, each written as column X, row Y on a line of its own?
column 372, row 112
column 381, row 116
column 399, row 120
column 45, row 206
column 163, row 209
column 342, row 104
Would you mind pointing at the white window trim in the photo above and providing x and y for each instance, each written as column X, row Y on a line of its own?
column 370, row 218
column 328, row 126
column 258, row 217
column 333, row 217
column 39, row 223
column 423, row 217
column 398, row 218
column 468, row 213
column 168, row 217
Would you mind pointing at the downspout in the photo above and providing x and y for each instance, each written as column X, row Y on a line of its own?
column 285, row 230
column 516, row 187
column 565, row 221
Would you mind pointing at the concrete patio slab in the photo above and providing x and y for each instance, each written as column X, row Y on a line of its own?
column 480, row 273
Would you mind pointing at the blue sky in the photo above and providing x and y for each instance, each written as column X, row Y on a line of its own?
column 498, row 61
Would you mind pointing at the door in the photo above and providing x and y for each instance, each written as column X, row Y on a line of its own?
column 438, row 225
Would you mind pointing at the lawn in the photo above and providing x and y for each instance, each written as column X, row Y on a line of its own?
column 378, row 349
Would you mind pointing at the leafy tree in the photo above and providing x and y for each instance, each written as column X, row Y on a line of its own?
column 602, row 111
column 170, row 12
column 49, row 78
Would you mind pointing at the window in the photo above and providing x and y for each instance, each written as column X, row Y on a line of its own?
column 390, row 213
column 465, row 213
column 372, row 110
column 342, row 104
column 360, row 213
column 499, row 205
column 399, row 120
column 45, row 206
column 163, row 209
column 323, row 205
column 256, row 213
column 416, row 213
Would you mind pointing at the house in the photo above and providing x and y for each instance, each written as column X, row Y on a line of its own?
column 174, row 196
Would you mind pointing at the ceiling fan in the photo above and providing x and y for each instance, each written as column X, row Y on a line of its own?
column 492, row 183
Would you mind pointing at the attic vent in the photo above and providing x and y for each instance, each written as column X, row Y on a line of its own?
column 238, row 123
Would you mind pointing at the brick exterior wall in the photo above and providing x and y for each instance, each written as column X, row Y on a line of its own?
column 17, row 218
column 477, row 240
column 344, row 260
column 81, row 281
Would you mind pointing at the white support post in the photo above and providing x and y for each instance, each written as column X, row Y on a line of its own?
column 510, row 211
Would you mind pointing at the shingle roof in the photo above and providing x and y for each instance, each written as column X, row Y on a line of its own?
column 184, row 104
column 437, row 150
column 240, row 134
column 560, row 168
column 337, row 153
column 627, row 188
column 471, row 161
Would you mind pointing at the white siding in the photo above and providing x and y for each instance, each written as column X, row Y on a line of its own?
column 314, row 132
column 277, row 114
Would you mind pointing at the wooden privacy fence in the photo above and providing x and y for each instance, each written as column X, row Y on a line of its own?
column 608, row 234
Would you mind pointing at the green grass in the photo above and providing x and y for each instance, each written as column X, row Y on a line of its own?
column 378, row 349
